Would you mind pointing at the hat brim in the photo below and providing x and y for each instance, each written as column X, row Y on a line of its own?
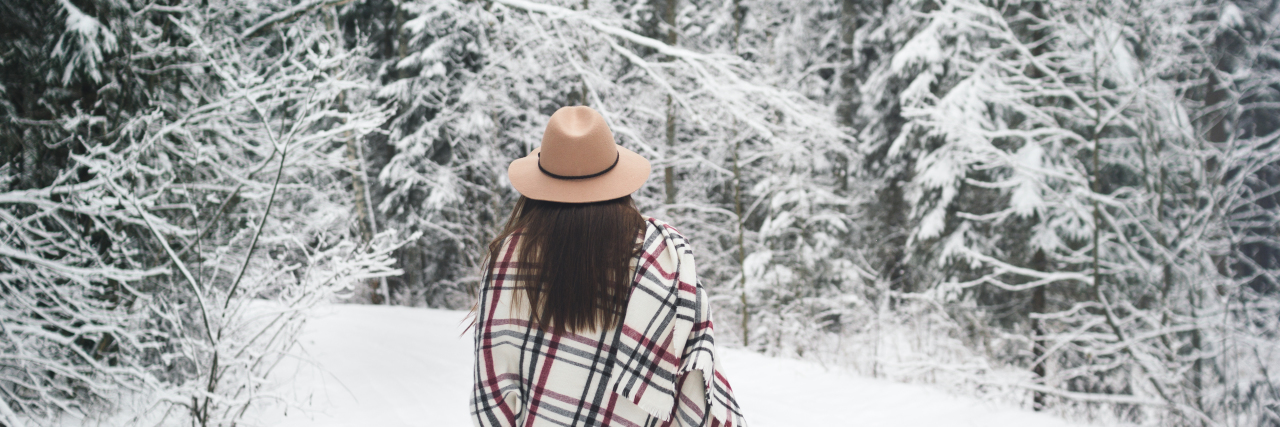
column 628, row 176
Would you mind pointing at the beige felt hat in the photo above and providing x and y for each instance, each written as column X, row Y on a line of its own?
column 578, row 162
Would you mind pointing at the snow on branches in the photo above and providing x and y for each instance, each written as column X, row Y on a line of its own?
column 173, row 253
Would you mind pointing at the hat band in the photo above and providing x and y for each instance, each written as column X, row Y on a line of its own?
column 615, row 163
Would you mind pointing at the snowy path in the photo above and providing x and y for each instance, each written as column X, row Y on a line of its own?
column 396, row 366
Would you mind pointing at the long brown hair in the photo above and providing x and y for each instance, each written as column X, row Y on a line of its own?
column 575, row 260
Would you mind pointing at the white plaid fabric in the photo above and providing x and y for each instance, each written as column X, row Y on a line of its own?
column 656, row 368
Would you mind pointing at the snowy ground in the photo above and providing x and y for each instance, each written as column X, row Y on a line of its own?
column 396, row 366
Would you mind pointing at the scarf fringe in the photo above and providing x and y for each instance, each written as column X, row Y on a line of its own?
column 656, row 408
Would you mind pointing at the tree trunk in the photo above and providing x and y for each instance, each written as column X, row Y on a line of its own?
column 847, row 105
column 402, row 39
column 738, row 14
column 359, row 179
column 1039, row 263
column 668, row 173
column 1218, row 93
column 582, row 95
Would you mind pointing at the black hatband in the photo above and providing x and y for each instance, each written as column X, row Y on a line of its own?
column 615, row 163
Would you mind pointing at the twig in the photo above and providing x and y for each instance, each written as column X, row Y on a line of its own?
column 182, row 267
column 287, row 16
column 258, row 233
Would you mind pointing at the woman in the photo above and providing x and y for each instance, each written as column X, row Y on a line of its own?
column 590, row 313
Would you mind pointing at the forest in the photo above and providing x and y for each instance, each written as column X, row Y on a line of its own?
column 1069, row 205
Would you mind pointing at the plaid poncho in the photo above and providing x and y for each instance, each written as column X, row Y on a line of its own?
column 658, row 367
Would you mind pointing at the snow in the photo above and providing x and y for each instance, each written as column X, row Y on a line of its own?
column 923, row 49
column 1026, row 199
column 398, row 366
column 94, row 41
column 378, row 366
column 1232, row 16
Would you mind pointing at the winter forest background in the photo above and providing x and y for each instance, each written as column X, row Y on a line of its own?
column 1070, row 205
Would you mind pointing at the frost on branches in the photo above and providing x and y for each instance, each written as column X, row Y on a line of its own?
column 1068, row 205
column 176, row 196
column 477, row 81
column 1066, row 157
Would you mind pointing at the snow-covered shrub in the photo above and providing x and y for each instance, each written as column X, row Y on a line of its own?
column 176, row 198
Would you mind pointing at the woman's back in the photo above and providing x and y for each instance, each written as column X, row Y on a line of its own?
column 564, row 378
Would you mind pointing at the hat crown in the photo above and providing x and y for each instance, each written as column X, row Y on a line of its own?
column 577, row 142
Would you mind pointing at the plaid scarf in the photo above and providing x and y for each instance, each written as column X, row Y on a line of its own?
column 660, row 359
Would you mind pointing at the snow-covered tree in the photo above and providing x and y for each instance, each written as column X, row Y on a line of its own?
column 482, row 81
column 176, row 199
column 1071, row 203
column 1056, row 153
column 1238, row 126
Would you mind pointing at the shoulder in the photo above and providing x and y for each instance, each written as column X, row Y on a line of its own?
column 510, row 239
column 668, row 232
column 661, row 225
column 505, row 253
